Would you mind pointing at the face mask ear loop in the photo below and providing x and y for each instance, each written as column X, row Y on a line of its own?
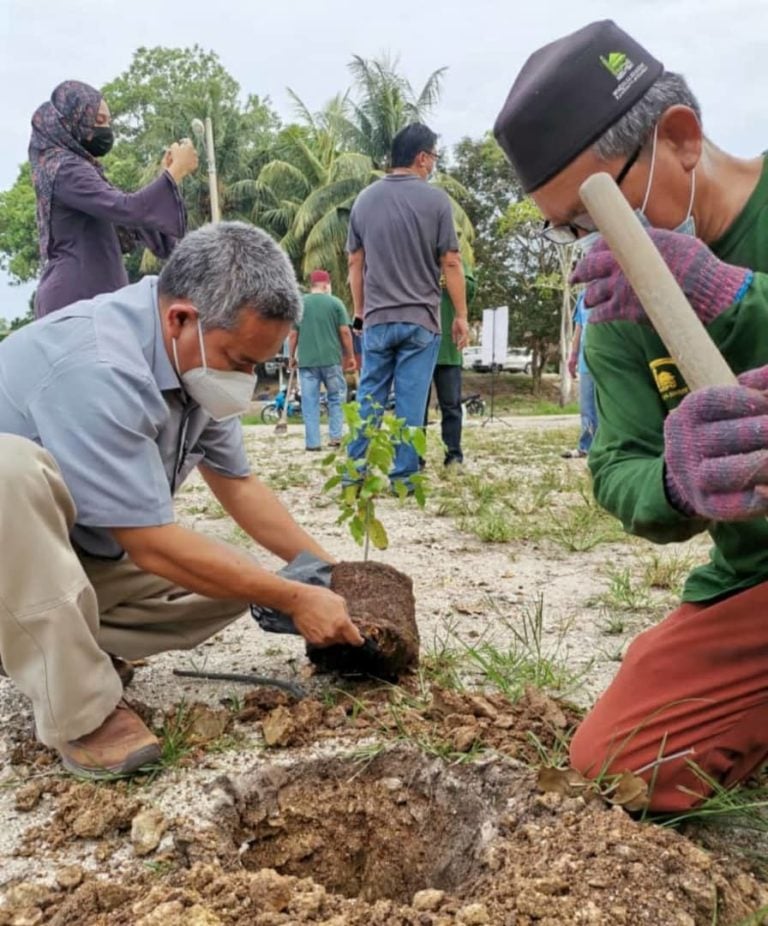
column 653, row 167
column 693, row 194
column 202, row 345
column 175, row 350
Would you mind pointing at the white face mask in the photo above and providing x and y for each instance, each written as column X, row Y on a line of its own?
column 686, row 227
column 222, row 393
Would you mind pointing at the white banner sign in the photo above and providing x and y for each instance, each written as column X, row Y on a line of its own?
column 495, row 334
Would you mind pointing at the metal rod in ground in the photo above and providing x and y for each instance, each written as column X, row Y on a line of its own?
column 291, row 687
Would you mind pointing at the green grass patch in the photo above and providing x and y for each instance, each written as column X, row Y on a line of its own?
column 667, row 571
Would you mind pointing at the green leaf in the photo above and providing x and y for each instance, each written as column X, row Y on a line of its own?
column 357, row 529
column 418, row 440
column 378, row 534
column 332, row 483
column 378, row 484
column 381, row 457
column 327, row 460
column 401, row 489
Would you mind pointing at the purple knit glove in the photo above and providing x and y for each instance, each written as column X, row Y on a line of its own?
column 710, row 285
column 716, row 451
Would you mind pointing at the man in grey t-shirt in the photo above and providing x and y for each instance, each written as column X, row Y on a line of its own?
column 401, row 239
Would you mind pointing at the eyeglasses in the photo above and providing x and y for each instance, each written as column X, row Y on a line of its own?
column 432, row 154
column 583, row 224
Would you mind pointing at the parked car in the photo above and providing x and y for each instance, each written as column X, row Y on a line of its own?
column 519, row 360
column 470, row 357
column 272, row 367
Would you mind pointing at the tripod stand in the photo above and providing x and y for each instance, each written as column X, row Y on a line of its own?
column 496, row 364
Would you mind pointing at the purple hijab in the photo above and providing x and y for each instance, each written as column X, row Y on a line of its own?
column 58, row 127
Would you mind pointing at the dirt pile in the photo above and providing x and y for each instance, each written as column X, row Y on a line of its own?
column 420, row 844
column 445, row 721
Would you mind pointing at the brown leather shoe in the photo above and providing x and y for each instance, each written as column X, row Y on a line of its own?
column 120, row 746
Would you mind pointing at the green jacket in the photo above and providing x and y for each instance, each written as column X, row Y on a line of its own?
column 637, row 385
column 449, row 355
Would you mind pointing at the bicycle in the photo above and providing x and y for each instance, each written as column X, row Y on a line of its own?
column 271, row 412
column 474, row 404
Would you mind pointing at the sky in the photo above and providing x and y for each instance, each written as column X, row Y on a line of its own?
column 719, row 45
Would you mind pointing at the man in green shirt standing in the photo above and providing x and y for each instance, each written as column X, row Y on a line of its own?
column 447, row 375
column 321, row 345
column 691, row 695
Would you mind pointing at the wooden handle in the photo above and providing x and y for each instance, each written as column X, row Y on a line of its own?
column 686, row 339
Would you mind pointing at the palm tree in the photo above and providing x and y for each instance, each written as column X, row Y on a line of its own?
column 385, row 104
column 304, row 195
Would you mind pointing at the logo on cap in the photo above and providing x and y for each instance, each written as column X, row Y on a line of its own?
column 617, row 63
column 624, row 70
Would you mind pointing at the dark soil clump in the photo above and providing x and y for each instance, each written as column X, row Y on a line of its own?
column 381, row 604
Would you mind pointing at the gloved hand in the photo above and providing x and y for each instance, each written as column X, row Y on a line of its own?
column 716, row 450
column 306, row 567
column 321, row 616
column 710, row 285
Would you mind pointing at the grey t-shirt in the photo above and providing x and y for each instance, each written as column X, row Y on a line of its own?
column 404, row 225
column 93, row 384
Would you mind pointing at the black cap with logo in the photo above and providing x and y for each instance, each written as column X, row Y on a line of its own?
column 566, row 96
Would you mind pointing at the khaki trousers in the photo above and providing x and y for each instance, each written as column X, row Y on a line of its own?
column 61, row 613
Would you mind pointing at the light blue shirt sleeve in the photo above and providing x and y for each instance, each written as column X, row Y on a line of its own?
column 581, row 317
column 100, row 423
column 222, row 448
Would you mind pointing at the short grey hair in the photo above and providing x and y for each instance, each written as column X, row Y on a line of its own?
column 635, row 126
column 230, row 266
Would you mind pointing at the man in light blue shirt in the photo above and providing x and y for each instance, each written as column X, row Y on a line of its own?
column 105, row 407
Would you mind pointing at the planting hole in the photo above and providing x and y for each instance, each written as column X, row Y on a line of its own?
column 399, row 824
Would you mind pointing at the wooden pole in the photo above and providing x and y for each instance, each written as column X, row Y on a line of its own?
column 685, row 337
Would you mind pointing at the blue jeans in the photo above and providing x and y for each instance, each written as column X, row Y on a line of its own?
column 447, row 378
column 401, row 355
column 310, row 379
column 588, row 411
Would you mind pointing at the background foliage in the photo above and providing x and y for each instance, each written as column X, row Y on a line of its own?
column 298, row 179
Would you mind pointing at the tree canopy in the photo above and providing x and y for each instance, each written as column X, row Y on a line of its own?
column 298, row 179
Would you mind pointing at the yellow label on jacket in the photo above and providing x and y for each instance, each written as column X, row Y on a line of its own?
column 668, row 381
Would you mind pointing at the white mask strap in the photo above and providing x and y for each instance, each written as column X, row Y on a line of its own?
column 175, row 350
column 202, row 345
column 653, row 166
column 693, row 193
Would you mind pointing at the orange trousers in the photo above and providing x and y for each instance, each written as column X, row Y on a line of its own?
column 691, row 694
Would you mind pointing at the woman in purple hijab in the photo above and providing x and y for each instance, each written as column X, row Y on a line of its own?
column 81, row 217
